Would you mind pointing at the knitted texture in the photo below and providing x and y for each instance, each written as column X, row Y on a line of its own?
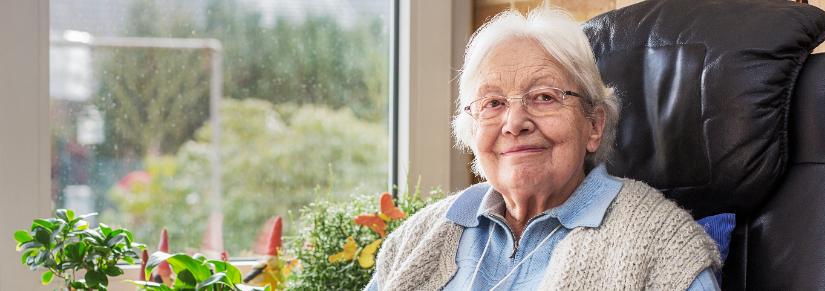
column 420, row 254
column 644, row 242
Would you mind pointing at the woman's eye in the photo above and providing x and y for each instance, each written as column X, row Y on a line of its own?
column 544, row 98
column 494, row 103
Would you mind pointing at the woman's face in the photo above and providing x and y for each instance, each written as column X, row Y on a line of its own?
column 523, row 153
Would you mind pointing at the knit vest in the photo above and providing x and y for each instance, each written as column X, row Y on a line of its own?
column 645, row 242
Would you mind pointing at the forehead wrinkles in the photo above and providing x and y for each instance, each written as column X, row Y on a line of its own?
column 515, row 77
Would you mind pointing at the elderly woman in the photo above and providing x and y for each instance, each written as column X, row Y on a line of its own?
column 541, row 122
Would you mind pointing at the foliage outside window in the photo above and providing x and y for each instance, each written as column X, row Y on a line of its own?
column 304, row 113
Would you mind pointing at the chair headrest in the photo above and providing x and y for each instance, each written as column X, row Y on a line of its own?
column 705, row 89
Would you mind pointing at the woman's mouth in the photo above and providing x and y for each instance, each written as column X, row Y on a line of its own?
column 523, row 150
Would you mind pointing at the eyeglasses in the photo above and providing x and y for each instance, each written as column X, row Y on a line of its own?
column 538, row 102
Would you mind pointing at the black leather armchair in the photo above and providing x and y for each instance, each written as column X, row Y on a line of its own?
column 724, row 111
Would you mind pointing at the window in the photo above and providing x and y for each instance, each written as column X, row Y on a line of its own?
column 300, row 90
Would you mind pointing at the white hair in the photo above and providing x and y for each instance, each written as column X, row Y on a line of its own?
column 564, row 41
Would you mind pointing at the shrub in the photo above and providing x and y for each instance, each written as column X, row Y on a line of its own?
column 330, row 225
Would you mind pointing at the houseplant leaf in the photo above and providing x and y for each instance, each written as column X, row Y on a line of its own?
column 79, row 285
column 42, row 223
column 46, row 278
column 152, row 286
column 96, row 278
column 104, row 229
column 232, row 273
column 184, row 279
column 22, row 236
column 26, row 254
column 43, row 236
column 218, row 278
column 113, row 271
column 179, row 262
column 114, row 240
column 67, row 215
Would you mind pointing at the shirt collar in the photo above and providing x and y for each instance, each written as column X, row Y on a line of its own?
column 586, row 206
column 464, row 209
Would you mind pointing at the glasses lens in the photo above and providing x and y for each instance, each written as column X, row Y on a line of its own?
column 538, row 102
column 545, row 100
column 490, row 107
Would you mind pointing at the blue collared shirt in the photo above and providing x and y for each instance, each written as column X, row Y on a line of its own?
column 510, row 266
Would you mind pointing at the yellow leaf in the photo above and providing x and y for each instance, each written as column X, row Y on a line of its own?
column 347, row 254
column 289, row 267
column 367, row 257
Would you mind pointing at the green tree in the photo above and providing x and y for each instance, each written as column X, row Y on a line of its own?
column 304, row 114
column 153, row 99
column 276, row 158
column 316, row 61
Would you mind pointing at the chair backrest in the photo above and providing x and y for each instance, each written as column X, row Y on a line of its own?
column 785, row 240
column 709, row 107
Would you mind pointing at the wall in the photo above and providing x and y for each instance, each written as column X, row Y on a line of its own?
column 431, row 34
column 24, row 144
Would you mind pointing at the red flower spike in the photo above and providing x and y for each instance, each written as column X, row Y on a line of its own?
column 275, row 237
column 224, row 256
column 144, row 257
column 163, row 269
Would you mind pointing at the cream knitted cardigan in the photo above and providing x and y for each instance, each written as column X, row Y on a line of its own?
column 645, row 242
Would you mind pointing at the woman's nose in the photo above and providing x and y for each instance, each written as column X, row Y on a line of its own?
column 516, row 120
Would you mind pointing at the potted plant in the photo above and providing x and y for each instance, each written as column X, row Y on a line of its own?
column 67, row 248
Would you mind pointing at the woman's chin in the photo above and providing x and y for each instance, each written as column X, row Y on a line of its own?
column 523, row 176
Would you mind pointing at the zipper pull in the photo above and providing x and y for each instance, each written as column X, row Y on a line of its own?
column 513, row 255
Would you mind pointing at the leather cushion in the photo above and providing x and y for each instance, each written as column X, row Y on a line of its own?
column 807, row 120
column 785, row 250
column 705, row 89
column 784, row 241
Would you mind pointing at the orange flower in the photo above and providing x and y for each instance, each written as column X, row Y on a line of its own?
column 374, row 222
column 378, row 221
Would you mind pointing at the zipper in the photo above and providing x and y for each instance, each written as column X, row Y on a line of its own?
column 512, row 234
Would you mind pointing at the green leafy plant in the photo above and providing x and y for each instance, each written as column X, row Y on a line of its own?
column 331, row 223
column 195, row 274
column 66, row 247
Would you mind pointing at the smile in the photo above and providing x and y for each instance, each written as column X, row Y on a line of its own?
column 523, row 150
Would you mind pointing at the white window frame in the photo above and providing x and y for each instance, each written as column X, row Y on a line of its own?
column 432, row 37
column 428, row 58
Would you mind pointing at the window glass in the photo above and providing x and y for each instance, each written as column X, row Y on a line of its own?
column 302, row 102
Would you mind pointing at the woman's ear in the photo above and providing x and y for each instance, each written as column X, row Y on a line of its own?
column 596, row 122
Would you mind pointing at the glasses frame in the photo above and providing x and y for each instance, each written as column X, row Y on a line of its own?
column 509, row 98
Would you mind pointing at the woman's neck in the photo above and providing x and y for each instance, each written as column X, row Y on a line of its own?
column 523, row 206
